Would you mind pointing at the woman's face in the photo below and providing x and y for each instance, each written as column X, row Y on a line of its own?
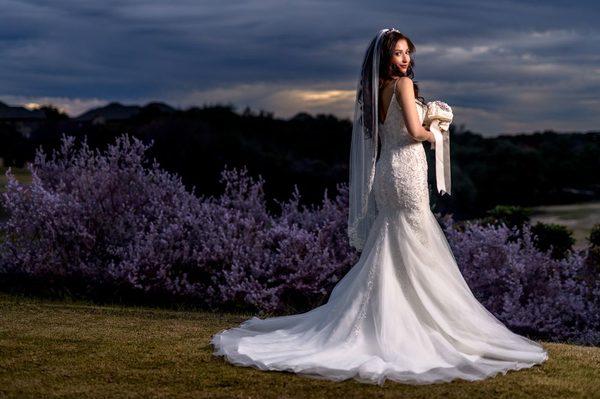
column 401, row 55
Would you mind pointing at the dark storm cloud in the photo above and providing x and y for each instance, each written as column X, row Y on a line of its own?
column 503, row 66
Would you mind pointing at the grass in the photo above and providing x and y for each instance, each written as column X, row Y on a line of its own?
column 76, row 349
column 21, row 174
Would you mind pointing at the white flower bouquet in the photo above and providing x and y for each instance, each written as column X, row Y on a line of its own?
column 440, row 113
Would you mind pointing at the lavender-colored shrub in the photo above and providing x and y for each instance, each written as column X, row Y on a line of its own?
column 90, row 219
column 283, row 262
column 526, row 288
column 108, row 223
column 95, row 219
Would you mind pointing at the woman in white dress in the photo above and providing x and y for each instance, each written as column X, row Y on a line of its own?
column 404, row 311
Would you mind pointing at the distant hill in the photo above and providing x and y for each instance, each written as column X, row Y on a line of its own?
column 117, row 111
column 20, row 113
column 112, row 111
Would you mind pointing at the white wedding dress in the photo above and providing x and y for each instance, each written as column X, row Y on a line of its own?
column 403, row 312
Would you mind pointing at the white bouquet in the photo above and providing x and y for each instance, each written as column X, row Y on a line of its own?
column 438, row 118
column 440, row 112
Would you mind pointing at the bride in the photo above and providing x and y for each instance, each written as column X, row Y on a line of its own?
column 404, row 311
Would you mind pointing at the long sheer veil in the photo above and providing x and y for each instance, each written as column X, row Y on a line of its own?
column 363, row 151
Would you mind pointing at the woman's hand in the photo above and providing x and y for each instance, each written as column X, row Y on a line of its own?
column 431, row 136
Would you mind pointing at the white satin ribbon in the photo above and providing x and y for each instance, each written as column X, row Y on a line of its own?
column 442, row 158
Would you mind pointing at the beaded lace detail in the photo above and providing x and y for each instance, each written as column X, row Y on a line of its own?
column 362, row 312
column 400, row 184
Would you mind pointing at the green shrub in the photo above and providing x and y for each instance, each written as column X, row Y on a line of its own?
column 510, row 215
column 555, row 236
column 594, row 237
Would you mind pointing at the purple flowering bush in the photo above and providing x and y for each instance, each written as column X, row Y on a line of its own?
column 526, row 288
column 92, row 219
column 283, row 262
column 106, row 224
column 110, row 225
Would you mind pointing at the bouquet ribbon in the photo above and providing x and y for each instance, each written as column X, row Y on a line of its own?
column 438, row 119
column 442, row 158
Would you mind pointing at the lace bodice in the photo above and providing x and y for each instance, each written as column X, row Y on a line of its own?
column 394, row 123
column 400, row 182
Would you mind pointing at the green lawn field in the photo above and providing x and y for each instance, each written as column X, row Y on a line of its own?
column 76, row 349
column 579, row 218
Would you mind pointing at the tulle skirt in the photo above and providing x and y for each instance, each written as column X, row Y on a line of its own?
column 403, row 312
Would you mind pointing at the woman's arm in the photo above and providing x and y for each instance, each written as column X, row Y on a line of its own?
column 430, row 137
column 406, row 94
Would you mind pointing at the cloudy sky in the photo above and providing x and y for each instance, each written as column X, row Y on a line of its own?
column 504, row 67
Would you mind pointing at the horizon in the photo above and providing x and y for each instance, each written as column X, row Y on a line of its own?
column 460, row 129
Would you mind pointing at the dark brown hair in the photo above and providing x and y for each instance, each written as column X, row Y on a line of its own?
column 388, row 70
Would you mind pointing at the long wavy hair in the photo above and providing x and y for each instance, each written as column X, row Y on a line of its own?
column 388, row 70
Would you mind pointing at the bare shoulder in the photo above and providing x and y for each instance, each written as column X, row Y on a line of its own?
column 404, row 89
column 404, row 83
